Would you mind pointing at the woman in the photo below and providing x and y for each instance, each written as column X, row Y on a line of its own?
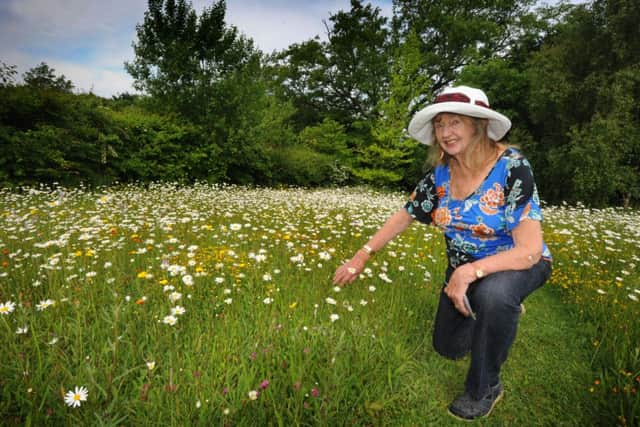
column 481, row 193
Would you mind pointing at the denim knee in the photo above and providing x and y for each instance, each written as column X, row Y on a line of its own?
column 449, row 349
column 507, row 289
column 452, row 332
column 497, row 292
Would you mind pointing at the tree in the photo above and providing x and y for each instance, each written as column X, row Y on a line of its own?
column 44, row 77
column 357, row 62
column 454, row 34
column 51, row 135
column 584, row 105
column 209, row 74
column 181, row 58
column 393, row 157
column 344, row 78
column 7, row 74
column 298, row 74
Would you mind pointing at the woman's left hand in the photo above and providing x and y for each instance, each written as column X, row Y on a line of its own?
column 458, row 285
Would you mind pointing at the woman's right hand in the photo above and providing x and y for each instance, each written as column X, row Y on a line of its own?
column 350, row 270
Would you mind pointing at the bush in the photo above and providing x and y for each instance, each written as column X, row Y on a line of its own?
column 302, row 166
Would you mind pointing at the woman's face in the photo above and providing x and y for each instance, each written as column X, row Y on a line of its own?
column 453, row 132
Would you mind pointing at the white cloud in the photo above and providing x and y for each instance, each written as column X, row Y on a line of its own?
column 276, row 24
column 87, row 41
column 47, row 21
column 95, row 79
column 273, row 29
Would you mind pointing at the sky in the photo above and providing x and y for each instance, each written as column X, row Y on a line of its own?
column 89, row 40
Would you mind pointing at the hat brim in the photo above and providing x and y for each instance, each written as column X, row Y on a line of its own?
column 421, row 128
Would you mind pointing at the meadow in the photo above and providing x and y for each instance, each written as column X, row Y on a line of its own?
column 213, row 305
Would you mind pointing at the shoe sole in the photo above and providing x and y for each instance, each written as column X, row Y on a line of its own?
column 483, row 416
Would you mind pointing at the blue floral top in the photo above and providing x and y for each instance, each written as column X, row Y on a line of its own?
column 481, row 224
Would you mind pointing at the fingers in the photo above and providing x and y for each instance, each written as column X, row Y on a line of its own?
column 458, row 303
column 457, row 300
column 462, row 309
column 345, row 274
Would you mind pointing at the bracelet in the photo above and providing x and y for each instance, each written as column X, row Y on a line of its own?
column 368, row 249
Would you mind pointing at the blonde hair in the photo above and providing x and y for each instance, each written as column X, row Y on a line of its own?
column 480, row 150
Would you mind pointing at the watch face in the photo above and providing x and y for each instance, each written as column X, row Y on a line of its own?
column 479, row 274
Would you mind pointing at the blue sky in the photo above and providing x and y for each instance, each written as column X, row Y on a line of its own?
column 89, row 40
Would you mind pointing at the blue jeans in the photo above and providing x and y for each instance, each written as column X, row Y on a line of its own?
column 495, row 299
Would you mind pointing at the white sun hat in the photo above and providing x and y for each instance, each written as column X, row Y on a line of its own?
column 463, row 100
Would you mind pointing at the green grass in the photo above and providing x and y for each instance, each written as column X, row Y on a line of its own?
column 249, row 321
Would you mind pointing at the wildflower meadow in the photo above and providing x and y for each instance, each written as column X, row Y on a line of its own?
column 213, row 305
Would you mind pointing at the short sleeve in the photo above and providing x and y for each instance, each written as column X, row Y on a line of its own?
column 521, row 194
column 423, row 200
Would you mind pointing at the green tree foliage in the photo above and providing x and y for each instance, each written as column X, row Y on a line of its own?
column 344, row 78
column 211, row 76
column 328, row 137
column 299, row 75
column 330, row 140
column 258, row 129
column 7, row 74
column 44, row 77
column 152, row 147
column 585, row 105
column 301, row 166
column 393, row 158
column 52, row 136
column 358, row 64
column 454, row 34
column 182, row 58
column 49, row 135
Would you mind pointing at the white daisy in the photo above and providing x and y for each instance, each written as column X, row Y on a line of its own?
column 170, row 320
column 187, row 279
column 174, row 296
column 42, row 305
column 73, row 398
column 178, row 310
column 7, row 307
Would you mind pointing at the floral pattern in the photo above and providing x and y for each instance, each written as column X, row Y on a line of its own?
column 442, row 217
column 492, row 199
column 481, row 224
